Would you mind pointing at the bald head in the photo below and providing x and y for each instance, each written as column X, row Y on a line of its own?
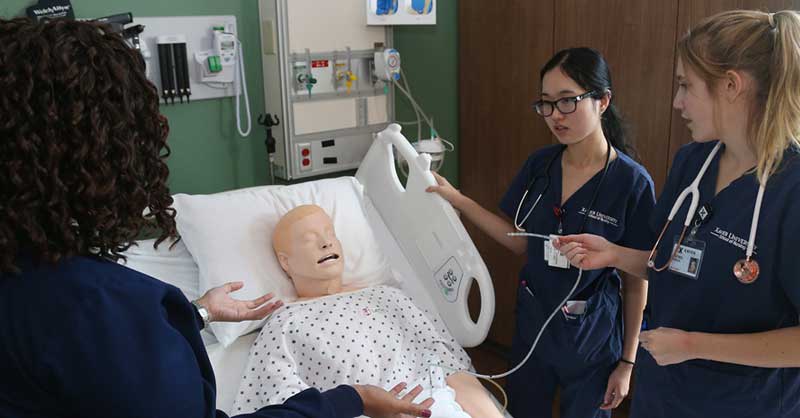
column 282, row 237
column 308, row 250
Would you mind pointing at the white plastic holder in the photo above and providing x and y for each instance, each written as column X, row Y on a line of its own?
column 227, row 74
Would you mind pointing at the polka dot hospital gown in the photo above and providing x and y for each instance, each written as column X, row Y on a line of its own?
column 372, row 336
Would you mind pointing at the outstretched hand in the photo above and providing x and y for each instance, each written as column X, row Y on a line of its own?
column 223, row 308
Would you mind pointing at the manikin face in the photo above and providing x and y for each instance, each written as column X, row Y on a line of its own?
column 313, row 251
column 573, row 127
column 694, row 101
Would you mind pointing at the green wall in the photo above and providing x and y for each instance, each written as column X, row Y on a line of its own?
column 429, row 56
column 207, row 153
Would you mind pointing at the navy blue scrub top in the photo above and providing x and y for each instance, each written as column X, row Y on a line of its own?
column 716, row 302
column 90, row 338
column 624, row 204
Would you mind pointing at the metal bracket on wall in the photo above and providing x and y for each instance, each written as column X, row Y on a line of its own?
column 327, row 87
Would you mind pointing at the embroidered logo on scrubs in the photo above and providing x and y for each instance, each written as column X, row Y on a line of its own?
column 602, row 217
column 731, row 238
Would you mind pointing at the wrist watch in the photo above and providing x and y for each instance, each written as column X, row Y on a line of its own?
column 204, row 314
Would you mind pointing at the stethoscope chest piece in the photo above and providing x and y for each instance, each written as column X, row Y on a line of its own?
column 746, row 270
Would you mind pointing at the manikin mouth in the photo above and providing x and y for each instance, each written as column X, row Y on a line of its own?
column 328, row 258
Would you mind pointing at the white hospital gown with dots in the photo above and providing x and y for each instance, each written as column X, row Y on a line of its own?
column 372, row 336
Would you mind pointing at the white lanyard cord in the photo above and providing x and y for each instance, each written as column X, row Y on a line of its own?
column 751, row 241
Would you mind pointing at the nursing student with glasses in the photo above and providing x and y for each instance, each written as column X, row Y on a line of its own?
column 586, row 183
column 724, row 272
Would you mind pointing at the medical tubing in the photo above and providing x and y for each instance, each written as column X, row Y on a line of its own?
column 597, row 189
column 416, row 112
column 239, row 88
column 505, row 395
column 414, row 103
column 535, row 342
column 528, row 234
column 751, row 241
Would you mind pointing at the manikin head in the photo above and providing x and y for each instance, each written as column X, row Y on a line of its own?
column 309, row 251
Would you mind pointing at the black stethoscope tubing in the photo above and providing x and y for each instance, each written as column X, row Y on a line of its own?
column 546, row 176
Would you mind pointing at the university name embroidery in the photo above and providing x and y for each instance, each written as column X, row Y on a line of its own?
column 602, row 217
column 731, row 238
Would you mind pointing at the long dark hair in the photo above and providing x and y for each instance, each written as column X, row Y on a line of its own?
column 588, row 68
column 82, row 144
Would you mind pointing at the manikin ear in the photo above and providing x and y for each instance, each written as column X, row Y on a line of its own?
column 283, row 259
column 732, row 85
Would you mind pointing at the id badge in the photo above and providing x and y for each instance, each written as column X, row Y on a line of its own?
column 689, row 258
column 554, row 257
column 575, row 307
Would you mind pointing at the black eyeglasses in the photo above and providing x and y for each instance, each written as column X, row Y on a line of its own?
column 565, row 105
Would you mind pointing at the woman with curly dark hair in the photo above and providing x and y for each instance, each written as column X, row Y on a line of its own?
column 82, row 155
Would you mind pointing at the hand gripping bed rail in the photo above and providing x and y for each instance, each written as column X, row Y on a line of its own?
column 430, row 235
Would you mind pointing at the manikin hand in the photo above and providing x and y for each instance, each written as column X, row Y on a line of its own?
column 223, row 308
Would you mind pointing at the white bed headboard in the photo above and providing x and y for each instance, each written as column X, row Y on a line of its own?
column 431, row 236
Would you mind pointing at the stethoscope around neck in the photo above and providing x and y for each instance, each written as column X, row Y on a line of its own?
column 518, row 224
column 745, row 270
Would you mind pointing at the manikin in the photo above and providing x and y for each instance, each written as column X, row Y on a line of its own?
column 308, row 250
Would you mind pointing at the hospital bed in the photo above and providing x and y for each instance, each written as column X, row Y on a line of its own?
column 421, row 235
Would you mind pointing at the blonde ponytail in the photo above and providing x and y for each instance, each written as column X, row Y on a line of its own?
column 767, row 47
column 779, row 126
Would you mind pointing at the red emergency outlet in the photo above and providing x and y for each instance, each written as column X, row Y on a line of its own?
column 306, row 162
column 305, row 152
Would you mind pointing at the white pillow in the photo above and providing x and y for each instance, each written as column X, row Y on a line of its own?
column 170, row 265
column 229, row 235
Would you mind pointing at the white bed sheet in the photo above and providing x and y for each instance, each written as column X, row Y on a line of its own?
column 229, row 367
